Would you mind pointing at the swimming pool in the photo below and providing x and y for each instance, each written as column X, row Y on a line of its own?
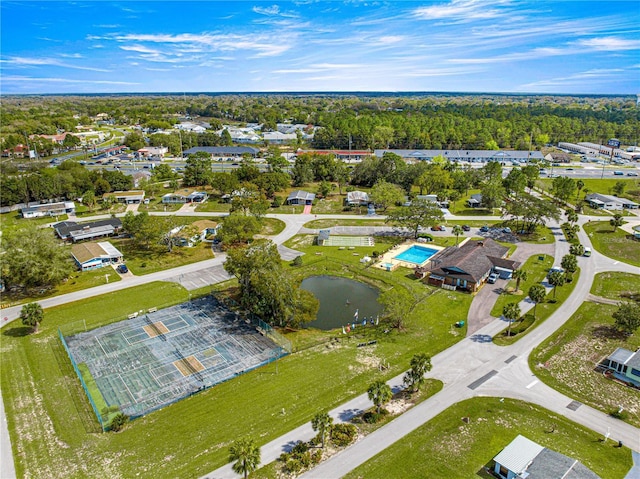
column 416, row 254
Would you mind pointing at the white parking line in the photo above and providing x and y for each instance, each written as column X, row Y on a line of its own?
column 532, row 384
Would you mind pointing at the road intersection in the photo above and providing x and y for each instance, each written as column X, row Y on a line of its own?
column 473, row 367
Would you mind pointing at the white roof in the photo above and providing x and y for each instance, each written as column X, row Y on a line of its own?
column 518, row 454
column 109, row 248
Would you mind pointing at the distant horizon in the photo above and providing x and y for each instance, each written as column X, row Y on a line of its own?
column 511, row 47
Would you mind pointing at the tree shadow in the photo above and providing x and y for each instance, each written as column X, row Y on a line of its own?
column 18, row 332
column 349, row 414
column 608, row 332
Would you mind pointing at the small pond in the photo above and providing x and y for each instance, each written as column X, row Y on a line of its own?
column 339, row 299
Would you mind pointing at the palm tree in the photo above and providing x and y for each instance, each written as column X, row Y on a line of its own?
column 616, row 221
column 579, row 186
column 379, row 393
column 322, row 423
column 457, row 230
column 572, row 216
column 519, row 275
column 420, row 365
column 246, row 455
column 556, row 279
column 537, row 293
column 32, row 315
column 511, row 312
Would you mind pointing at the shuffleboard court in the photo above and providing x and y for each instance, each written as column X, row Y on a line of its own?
column 152, row 360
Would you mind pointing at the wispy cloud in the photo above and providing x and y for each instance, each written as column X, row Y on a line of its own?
column 272, row 10
column 27, row 62
column 462, row 10
column 13, row 78
column 581, row 78
column 610, row 44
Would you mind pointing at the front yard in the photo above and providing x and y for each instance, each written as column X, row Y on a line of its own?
column 618, row 245
column 566, row 361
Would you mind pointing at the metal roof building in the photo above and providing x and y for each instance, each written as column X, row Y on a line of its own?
column 518, row 156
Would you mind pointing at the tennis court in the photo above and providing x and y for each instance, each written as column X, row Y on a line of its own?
column 159, row 357
column 349, row 241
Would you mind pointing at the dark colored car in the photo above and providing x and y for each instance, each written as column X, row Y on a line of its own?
column 466, row 228
column 484, row 229
column 122, row 269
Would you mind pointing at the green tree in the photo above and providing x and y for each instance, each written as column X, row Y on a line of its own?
column 134, row 141
column 579, row 186
column 569, row 263
column 197, row 171
column 379, row 394
column 556, row 278
column 225, row 138
column 322, row 423
column 225, row 183
column 33, row 258
column 118, row 422
column 384, row 194
column 398, row 304
column 511, row 312
column 420, row 213
column 563, row 187
column 576, row 249
column 89, row 199
column 618, row 188
column 414, row 378
column 519, row 275
column 572, row 216
column 457, row 231
column 324, row 189
column 616, row 221
column 245, row 455
column 492, row 193
column 237, row 229
column 537, row 294
column 32, row 315
column 627, row 317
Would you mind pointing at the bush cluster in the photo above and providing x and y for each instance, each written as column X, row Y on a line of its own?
column 300, row 457
column 343, row 434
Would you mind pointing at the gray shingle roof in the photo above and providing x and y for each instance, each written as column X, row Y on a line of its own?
column 65, row 229
column 470, row 262
column 301, row 195
column 551, row 464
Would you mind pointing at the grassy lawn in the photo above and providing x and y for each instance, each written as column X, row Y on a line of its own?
column 13, row 221
column 77, row 281
column 44, row 400
column 528, row 322
column 536, row 272
column 317, row 224
column 566, row 361
column 144, row 261
column 213, row 205
column 429, row 450
column 271, row 226
column 619, row 245
column 603, row 186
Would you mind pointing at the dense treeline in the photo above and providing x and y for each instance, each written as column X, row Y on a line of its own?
column 374, row 121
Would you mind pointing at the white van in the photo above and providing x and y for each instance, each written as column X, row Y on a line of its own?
column 587, row 251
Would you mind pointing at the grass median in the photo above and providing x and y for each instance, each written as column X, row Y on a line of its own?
column 616, row 244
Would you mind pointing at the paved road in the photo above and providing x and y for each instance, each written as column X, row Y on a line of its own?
column 458, row 366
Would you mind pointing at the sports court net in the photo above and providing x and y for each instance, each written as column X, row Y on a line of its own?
column 349, row 241
column 147, row 362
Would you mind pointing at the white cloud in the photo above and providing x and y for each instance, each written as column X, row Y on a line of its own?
column 460, row 10
column 272, row 10
column 26, row 61
column 610, row 44
column 139, row 49
column 390, row 39
column 64, row 80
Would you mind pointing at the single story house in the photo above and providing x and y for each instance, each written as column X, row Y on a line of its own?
column 625, row 365
column 610, row 202
column 523, row 458
column 72, row 231
column 300, row 197
column 173, row 198
column 471, row 156
column 197, row 197
column 558, row 157
column 90, row 256
column 358, row 198
column 475, row 201
column 49, row 209
column 205, row 228
column 433, row 199
column 468, row 265
column 153, row 151
column 278, row 137
column 127, row 197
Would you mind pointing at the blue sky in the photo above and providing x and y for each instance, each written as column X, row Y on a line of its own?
column 219, row 46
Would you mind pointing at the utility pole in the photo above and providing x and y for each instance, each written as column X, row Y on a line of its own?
column 613, row 143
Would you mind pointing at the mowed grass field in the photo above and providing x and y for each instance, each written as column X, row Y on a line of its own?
column 603, row 186
column 55, row 434
column 618, row 245
column 448, row 447
column 566, row 361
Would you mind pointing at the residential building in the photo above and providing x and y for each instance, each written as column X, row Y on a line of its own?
column 132, row 197
column 348, row 156
column 277, row 137
column 72, row 231
column 300, row 197
column 624, row 365
column 49, row 209
column 523, row 458
column 197, row 197
column 205, row 228
column 609, row 202
column 557, row 157
column 475, row 201
column 173, row 198
column 471, row 156
column 190, row 126
column 90, row 256
column 468, row 265
column 357, row 198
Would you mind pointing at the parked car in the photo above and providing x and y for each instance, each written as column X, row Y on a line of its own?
column 122, row 269
column 466, row 228
column 438, row 228
column 484, row 229
column 632, row 173
column 556, row 269
column 506, row 230
column 618, row 173
column 493, row 277
column 587, row 251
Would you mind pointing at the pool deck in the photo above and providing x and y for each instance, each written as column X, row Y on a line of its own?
column 389, row 256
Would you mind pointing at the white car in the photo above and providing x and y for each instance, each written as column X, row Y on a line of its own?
column 493, row 277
